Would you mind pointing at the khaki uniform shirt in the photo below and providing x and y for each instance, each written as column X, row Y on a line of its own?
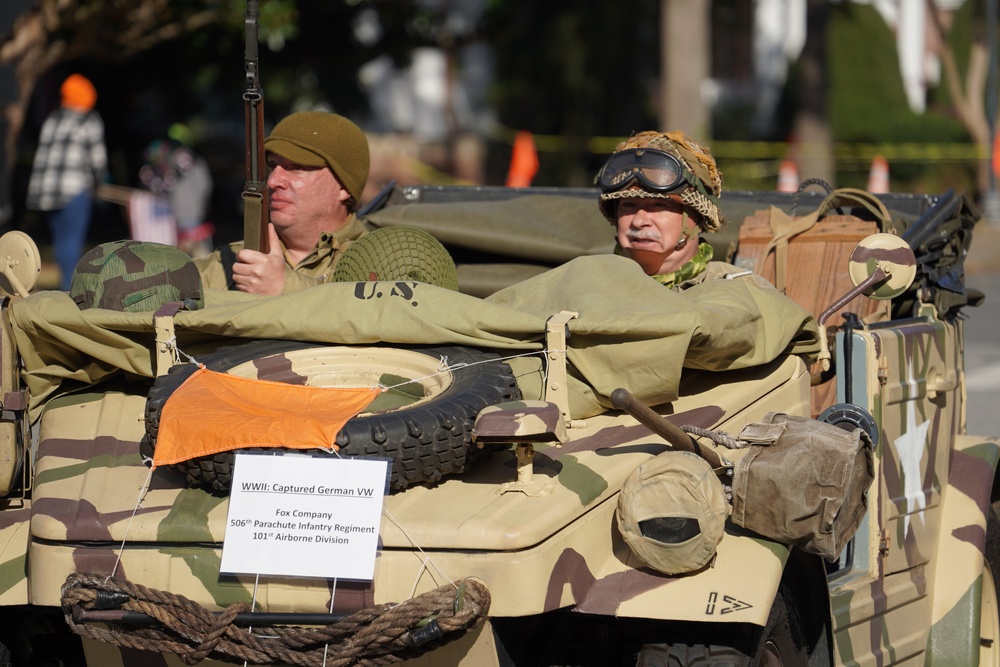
column 315, row 269
column 725, row 271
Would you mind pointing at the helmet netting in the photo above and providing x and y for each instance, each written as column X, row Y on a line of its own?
column 705, row 186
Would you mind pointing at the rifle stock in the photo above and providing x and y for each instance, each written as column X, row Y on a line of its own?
column 255, row 213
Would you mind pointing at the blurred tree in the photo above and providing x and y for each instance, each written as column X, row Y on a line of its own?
column 867, row 103
column 157, row 64
column 968, row 92
column 810, row 128
column 685, row 65
column 577, row 71
column 53, row 32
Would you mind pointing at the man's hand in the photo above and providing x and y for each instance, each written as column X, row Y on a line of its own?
column 261, row 273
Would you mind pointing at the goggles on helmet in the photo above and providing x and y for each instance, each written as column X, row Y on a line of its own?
column 656, row 171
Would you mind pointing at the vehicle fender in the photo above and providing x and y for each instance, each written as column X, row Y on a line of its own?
column 958, row 565
column 14, row 537
column 738, row 586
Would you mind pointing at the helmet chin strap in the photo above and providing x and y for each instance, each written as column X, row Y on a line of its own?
column 687, row 233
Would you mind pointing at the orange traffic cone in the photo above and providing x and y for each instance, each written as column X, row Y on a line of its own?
column 996, row 155
column 788, row 176
column 878, row 176
column 523, row 161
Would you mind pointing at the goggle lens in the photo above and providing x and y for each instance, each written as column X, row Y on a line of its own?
column 656, row 170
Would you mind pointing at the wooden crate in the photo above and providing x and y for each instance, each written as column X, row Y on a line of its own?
column 815, row 273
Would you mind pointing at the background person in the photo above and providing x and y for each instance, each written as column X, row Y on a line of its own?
column 173, row 172
column 318, row 166
column 70, row 161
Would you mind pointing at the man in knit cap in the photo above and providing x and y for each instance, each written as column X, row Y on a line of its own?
column 70, row 161
column 661, row 191
column 318, row 167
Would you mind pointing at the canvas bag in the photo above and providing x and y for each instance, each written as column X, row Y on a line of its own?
column 803, row 482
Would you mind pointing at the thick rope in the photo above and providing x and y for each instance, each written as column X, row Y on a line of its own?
column 718, row 437
column 380, row 635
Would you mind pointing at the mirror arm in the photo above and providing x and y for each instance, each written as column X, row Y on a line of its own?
column 878, row 275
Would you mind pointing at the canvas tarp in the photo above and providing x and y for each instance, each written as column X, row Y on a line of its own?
column 631, row 332
column 541, row 228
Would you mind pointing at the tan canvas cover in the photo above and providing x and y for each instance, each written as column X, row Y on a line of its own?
column 631, row 331
column 658, row 502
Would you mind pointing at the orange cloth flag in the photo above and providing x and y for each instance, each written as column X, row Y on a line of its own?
column 523, row 161
column 213, row 412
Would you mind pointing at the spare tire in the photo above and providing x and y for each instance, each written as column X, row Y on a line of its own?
column 423, row 424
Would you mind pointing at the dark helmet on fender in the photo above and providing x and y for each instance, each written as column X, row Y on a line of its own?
column 135, row 276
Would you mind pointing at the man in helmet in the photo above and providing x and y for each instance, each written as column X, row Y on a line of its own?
column 318, row 165
column 661, row 191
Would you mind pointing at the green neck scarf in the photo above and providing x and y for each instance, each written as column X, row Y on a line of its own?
column 694, row 267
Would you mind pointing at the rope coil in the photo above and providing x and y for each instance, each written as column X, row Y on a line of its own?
column 380, row 635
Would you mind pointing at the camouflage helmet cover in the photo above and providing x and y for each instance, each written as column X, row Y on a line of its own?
column 703, row 177
column 397, row 253
column 135, row 276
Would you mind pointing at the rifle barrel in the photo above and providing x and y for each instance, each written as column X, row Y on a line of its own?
column 255, row 213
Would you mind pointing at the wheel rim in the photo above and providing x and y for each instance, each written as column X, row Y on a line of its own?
column 770, row 656
column 989, row 620
column 412, row 378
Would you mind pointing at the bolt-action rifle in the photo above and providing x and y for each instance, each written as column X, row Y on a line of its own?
column 255, row 234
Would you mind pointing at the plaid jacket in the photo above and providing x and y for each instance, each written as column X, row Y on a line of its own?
column 71, row 158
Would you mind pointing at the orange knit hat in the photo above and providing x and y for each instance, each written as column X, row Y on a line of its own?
column 78, row 93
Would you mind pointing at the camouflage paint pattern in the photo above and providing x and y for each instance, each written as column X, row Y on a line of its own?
column 134, row 276
column 12, row 405
column 14, row 553
column 89, row 479
column 919, row 555
column 520, row 421
column 910, row 587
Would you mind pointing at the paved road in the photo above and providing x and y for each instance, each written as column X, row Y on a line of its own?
column 982, row 356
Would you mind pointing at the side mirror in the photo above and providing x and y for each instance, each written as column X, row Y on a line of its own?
column 888, row 253
column 882, row 266
column 20, row 264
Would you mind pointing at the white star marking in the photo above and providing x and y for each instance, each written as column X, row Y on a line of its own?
column 910, row 448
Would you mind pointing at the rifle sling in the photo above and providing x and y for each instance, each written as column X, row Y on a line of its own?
column 253, row 233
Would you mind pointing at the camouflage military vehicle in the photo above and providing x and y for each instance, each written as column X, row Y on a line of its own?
column 563, row 487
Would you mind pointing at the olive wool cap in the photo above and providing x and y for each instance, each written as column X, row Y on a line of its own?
column 322, row 139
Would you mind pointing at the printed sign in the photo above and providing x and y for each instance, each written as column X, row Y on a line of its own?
column 304, row 516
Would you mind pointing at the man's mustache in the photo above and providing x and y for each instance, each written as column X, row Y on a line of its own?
column 645, row 234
